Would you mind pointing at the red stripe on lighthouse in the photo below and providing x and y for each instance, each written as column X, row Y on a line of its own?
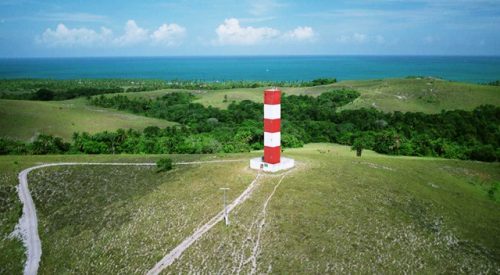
column 272, row 96
column 272, row 125
column 272, row 154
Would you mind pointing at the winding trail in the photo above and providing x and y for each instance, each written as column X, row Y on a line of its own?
column 177, row 251
column 28, row 223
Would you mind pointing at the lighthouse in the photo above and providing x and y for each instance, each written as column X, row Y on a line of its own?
column 272, row 160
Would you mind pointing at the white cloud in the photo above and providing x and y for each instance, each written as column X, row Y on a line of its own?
column 231, row 33
column 168, row 35
column 133, row 34
column 301, row 34
column 63, row 36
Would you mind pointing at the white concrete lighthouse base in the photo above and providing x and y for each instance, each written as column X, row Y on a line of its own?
column 259, row 164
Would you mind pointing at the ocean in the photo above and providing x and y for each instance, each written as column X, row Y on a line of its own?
column 276, row 68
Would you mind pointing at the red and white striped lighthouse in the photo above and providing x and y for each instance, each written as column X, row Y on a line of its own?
column 272, row 126
column 272, row 160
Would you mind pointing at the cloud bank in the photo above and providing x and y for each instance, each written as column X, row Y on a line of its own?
column 229, row 33
column 168, row 35
column 301, row 34
column 62, row 36
column 232, row 33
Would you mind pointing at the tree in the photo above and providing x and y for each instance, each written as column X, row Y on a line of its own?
column 164, row 164
column 44, row 94
column 483, row 153
column 151, row 131
column 359, row 144
column 47, row 144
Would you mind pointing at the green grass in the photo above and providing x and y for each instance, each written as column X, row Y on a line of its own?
column 23, row 120
column 375, row 214
column 122, row 220
column 94, row 213
column 426, row 95
column 333, row 213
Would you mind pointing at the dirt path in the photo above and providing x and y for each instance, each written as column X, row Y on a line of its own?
column 177, row 251
column 259, row 222
column 28, row 223
column 257, row 249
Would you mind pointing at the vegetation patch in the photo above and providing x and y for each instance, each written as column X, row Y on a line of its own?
column 48, row 89
column 450, row 134
column 164, row 164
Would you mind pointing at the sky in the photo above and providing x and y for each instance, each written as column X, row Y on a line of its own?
column 30, row 28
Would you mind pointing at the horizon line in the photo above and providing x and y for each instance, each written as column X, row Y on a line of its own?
column 252, row 55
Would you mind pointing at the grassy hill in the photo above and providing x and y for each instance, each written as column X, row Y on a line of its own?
column 333, row 213
column 426, row 95
column 23, row 120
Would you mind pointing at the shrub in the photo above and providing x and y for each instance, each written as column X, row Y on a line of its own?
column 48, row 144
column 164, row 164
column 323, row 81
column 358, row 145
column 483, row 153
column 44, row 94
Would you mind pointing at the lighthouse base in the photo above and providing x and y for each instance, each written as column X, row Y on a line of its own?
column 259, row 164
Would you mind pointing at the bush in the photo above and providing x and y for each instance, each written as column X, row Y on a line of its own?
column 494, row 83
column 483, row 153
column 323, row 81
column 358, row 145
column 12, row 147
column 43, row 94
column 164, row 164
column 48, row 144
column 291, row 141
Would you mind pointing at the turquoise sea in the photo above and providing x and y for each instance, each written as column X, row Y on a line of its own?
column 457, row 68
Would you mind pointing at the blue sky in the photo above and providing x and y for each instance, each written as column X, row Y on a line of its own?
column 31, row 28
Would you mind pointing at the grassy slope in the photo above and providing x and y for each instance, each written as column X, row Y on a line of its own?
column 415, row 95
column 420, row 95
column 376, row 214
column 333, row 212
column 24, row 119
column 94, row 208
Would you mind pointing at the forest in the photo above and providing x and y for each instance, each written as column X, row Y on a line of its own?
column 47, row 89
column 454, row 134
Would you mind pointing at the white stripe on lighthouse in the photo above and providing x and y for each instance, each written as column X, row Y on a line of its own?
column 272, row 111
column 272, row 139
